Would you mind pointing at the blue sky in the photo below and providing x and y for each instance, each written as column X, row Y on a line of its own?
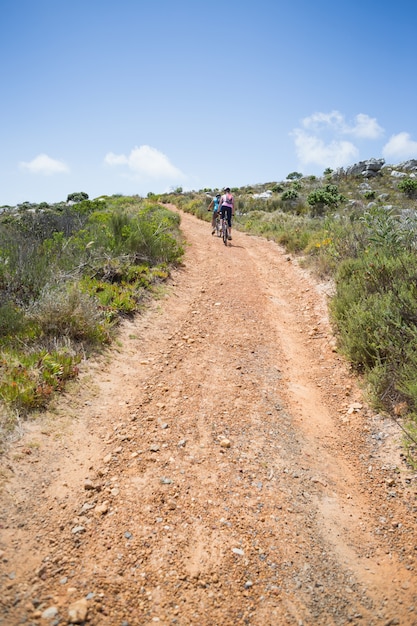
column 135, row 96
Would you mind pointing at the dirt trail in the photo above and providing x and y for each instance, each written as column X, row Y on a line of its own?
column 221, row 467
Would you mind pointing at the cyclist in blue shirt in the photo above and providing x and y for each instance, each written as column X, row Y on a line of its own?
column 215, row 204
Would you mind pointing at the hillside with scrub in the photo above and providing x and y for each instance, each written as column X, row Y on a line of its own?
column 71, row 271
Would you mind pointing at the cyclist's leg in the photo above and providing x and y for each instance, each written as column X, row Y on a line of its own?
column 229, row 222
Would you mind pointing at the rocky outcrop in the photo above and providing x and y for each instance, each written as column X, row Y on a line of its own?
column 367, row 169
column 408, row 166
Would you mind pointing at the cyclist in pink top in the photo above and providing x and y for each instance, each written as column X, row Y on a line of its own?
column 227, row 208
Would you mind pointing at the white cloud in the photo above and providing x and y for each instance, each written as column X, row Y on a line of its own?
column 43, row 164
column 114, row 159
column 147, row 162
column 400, row 146
column 363, row 126
column 319, row 121
column 322, row 139
column 366, row 127
column 313, row 150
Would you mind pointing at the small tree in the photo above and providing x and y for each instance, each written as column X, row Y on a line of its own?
column 77, row 196
column 294, row 176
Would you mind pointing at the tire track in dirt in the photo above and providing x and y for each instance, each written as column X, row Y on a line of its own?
column 214, row 468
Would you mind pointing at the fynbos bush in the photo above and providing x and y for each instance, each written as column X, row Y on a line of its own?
column 68, row 312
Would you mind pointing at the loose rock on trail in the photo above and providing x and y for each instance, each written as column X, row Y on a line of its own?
column 220, row 466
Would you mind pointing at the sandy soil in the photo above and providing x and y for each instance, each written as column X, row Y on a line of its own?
column 219, row 467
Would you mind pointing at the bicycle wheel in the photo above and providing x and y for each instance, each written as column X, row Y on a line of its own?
column 224, row 232
column 218, row 227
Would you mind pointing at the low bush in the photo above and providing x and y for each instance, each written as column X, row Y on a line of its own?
column 70, row 313
column 29, row 380
column 12, row 320
column 324, row 198
column 408, row 186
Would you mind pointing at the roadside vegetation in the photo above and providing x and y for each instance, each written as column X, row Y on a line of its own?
column 69, row 272
column 360, row 234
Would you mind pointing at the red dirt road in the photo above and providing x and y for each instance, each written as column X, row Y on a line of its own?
column 219, row 467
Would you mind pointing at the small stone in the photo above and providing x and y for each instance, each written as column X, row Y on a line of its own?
column 154, row 448
column 101, row 509
column 248, row 584
column 78, row 530
column 87, row 506
column 320, row 481
column 77, row 611
column 50, row 613
column 225, row 443
column 238, row 551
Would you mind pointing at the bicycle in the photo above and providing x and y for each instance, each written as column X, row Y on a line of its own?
column 218, row 226
column 225, row 230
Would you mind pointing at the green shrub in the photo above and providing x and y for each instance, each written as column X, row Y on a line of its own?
column 289, row 194
column 369, row 195
column 324, row 197
column 408, row 186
